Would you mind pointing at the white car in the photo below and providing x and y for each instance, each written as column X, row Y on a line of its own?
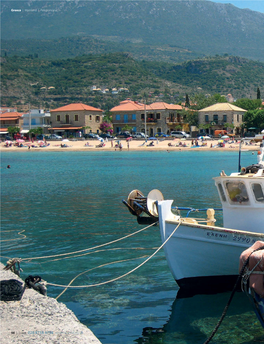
column 180, row 134
column 139, row 136
column 55, row 137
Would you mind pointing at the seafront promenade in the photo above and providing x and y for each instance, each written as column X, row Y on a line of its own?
column 39, row 319
column 138, row 145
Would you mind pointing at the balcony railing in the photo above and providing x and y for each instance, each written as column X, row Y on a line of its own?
column 172, row 120
column 150, row 120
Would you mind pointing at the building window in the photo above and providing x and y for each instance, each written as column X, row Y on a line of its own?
column 158, row 130
column 58, row 118
column 97, row 119
column 215, row 119
column 225, row 118
column 90, row 117
column 158, row 115
column 76, row 118
column 134, row 117
column 206, row 118
column 142, row 116
column 118, row 118
column 67, row 119
column 238, row 118
column 125, row 118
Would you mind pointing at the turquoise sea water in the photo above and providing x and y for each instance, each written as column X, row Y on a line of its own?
column 71, row 201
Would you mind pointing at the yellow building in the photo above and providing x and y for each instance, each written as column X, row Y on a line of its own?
column 75, row 119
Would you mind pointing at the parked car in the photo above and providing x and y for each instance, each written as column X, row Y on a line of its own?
column 91, row 136
column 139, row 135
column 161, row 135
column 123, row 134
column 106, row 136
column 42, row 137
column 54, row 137
column 180, row 134
column 8, row 138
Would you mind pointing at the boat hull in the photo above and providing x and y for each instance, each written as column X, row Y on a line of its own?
column 202, row 258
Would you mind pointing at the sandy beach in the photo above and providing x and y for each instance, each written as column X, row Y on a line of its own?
column 139, row 145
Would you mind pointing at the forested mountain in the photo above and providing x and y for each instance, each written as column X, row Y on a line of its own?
column 51, row 83
column 68, row 47
column 202, row 27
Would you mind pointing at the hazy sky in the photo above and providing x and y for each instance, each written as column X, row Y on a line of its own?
column 254, row 5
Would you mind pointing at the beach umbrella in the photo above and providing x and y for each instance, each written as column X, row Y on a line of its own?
column 8, row 142
column 40, row 142
column 220, row 141
column 207, row 137
column 20, row 141
column 152, row 138
column 225, row 137
column 129, row 138
column 262, row 131
column 65, row 140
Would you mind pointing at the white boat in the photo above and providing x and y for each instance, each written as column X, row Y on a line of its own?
column 204, row 257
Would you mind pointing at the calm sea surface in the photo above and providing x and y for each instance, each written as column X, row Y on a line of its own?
column 71, row 201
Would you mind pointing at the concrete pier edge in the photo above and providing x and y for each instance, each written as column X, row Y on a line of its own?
column 39, row 319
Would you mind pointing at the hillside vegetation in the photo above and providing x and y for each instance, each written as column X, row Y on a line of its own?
column 69, row 47
column 23, row 79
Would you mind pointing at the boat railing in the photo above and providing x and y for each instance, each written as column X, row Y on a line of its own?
column 191, row 210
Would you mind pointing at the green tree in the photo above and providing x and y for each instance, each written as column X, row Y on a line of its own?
column 36, row 132
column 254, row 118
column 248, row 104
column 13, row 130
column 258, row 94
column 127, row 128
column 191, row 117
column 187, row 101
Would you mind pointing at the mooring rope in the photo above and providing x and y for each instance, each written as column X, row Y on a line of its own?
column 231, row 296
column 29, row 259
column 122, row 276
column 97, row 267
column 19, row 233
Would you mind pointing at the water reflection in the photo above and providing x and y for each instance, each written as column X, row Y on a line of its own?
column 193, row 319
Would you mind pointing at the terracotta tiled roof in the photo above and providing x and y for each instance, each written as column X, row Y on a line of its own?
column 10, row 116
column 165, row 106
column 128, row 105
column 222, row 107
column 76, row 107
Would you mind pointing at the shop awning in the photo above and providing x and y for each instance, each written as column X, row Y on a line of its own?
column 24, row 131
column 66, row 128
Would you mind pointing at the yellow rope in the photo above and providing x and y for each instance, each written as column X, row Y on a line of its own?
column 91, row 248
column 97, row 267
column 124, row 275
column 19, row 233
column 108, row 249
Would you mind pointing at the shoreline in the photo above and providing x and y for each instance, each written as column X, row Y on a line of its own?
column 133, row 145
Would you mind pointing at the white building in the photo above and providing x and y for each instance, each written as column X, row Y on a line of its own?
column 36, row 119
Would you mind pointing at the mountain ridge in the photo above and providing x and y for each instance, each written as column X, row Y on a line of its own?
column 200, row 26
